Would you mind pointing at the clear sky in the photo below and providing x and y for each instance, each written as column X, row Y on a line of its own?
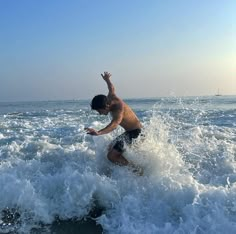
column 56, row 49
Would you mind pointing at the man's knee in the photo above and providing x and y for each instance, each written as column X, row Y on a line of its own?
column 110, row 156
column 116, row 157
column 113, row 155
column 109, row 148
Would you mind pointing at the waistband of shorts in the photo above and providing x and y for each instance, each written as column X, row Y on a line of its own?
column 134, row 130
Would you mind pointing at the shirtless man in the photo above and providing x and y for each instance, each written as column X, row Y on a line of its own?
column 121, row 115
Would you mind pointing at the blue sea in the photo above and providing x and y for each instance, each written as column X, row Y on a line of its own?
column 54, row 178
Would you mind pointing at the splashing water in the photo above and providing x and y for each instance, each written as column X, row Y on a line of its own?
column 50, row 169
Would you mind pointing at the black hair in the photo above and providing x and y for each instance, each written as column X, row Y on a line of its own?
column 99, row 102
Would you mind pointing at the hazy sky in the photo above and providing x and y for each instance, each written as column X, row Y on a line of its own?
column 54, row 49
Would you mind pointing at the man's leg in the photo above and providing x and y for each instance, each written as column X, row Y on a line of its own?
column 117, row 158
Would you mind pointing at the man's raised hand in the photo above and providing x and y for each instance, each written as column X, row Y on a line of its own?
column 106, row 76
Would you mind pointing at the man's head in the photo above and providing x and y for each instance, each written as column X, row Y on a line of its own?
column 100, row 104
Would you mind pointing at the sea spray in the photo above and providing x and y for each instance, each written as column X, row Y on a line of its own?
column 51, row 170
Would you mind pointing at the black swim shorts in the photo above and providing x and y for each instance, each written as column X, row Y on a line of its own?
column 127, row 138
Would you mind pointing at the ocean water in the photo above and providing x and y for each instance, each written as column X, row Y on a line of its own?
column 54, row 177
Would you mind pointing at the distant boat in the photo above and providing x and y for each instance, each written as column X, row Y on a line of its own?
column 218, row 93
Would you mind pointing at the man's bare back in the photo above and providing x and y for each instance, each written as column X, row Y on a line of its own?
column 129, row 119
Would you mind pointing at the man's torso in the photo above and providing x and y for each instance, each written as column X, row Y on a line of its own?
column 129, row 119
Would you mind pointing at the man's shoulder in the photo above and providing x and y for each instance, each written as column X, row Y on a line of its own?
column 117, row 104
column 113, row 98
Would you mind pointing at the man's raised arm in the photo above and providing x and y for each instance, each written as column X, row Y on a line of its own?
column 106, row 76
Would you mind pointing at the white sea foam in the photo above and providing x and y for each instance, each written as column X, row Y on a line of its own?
column 50, row 168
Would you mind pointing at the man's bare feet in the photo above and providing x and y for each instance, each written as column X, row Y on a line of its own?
column 136, row 169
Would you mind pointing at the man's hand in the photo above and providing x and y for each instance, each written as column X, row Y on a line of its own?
column 91, row 131
column 106, row 76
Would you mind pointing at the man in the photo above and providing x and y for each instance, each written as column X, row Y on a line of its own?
column 121, row 115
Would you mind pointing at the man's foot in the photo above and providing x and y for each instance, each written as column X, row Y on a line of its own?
column 136, row 169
